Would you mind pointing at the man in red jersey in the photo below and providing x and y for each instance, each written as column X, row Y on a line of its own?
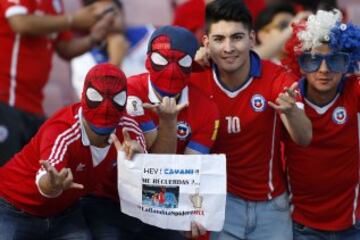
column 37, row 200
column 257, row 100
column 30, row 31
column 180, row 119
column 324, row 177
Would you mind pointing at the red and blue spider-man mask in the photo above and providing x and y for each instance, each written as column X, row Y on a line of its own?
column 171, row 51
column 104, row 98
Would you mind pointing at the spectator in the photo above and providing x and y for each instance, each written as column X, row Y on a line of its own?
column 38, row 201
column 324, row 177
column 30, row 32
column 254, row 97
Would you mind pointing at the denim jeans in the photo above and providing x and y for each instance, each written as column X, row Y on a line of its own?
column 253, row 220
column 107, row 222
column 302, row 232
column 18, row 225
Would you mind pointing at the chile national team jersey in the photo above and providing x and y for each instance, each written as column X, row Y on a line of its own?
column 324, row 176
column 250, row 129
column 62, row 141
column 197, row 124
column 25, row 60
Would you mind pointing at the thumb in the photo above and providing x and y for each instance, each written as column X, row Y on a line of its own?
column 116, row 142
column 126, row 135
column 152, row 107
column 180, row 107
column 76, row 186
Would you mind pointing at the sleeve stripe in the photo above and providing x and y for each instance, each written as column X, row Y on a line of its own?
column 65, row 148
column 198, row 147
column 60, row 140
column 131, row 125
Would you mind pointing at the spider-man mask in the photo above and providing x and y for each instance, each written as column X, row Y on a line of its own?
column 171, row 52
column 104, row 98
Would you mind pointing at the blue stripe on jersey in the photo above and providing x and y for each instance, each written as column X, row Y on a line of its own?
column 198, row 147
column 147, row 126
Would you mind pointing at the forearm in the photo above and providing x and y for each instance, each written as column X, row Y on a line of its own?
column 298, row 126
column 75, row 47
column 39, row 25
column 166, row 139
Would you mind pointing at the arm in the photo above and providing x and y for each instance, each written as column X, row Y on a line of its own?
column 294, row 119
column 83, row 19
column 75, row 47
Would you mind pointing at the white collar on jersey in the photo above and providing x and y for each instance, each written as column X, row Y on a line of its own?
column 321, row 110
column 184, row 97
column 97, row 154
column 230, row 94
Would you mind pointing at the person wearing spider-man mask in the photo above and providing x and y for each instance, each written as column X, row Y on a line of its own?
column 65, row 160
column 175, row 116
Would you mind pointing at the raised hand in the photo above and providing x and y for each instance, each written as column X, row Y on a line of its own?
column 56, row 181
column 129, row 146
column 167, row 110
column 286, row 101
column 202, row 57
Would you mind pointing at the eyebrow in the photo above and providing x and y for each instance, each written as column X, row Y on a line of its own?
column 234, row 34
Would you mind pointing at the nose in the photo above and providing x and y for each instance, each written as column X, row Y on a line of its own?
column 228, row 46
column 323, row 66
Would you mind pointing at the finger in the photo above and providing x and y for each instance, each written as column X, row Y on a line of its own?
column 152, row 107
column 116, row 142
column 126, row 135
column 76, row 186
column 201, row 229
column 63, row 173
column 273, row 105
column 194, row 230
column 49, row 168
column 130, row 153
column 294, row 86
column 180, row 107
column 68, row 178
column 286, row 98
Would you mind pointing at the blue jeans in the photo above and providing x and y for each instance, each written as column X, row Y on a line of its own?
column 302, row 232
column 252, row 220
column 106, row 222
column 18, row 225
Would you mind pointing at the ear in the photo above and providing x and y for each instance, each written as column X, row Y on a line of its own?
column 252, row 38
column 205, row 40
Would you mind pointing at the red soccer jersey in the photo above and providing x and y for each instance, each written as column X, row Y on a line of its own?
column 250, row 129
column 25, row 61
column 61, row 140
column 324, row 176
column 197, row 124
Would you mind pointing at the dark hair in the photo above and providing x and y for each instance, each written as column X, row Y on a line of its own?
column 228, row 10
column 266, row 16
column 117, row 3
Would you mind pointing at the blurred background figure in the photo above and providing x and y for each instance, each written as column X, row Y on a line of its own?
column 272, row 28
column 125, row 47
column 30, row 32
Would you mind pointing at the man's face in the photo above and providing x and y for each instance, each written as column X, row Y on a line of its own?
column 323, row 80
column 229, row 44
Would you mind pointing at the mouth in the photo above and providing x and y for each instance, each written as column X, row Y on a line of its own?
column 230, row 59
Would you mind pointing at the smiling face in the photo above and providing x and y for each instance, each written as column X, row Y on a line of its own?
column 322, row 82
column 229, row 44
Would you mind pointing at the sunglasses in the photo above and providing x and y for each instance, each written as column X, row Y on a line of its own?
column 336, row 62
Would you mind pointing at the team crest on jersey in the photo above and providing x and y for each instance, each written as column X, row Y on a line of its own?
column 134, row 106
column 183, row 130
column 339, row 115
column 258, row 103
column 57, row 6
